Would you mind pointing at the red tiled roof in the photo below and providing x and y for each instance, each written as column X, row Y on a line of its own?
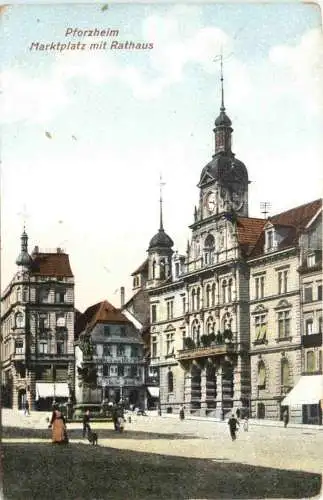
column 103, row 312
column 295, row 219
column 51, row 264
column 142, row 268
column 248, row 231
column 299, row 216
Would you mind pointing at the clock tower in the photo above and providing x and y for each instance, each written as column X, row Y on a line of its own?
column 224, row 180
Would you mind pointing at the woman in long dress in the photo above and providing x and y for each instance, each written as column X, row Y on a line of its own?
column 58, row 426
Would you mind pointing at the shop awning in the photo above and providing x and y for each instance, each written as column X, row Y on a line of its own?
column 153, row 391
column 307, row 391
column 49, row 390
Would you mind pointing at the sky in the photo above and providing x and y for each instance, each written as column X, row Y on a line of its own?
column 86, row 134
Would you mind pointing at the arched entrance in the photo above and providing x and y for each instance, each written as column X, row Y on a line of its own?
column 22, row 396
column 261, row 411
column 195, row 387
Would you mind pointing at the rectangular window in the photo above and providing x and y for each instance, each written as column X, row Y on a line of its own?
column 60, row 347
column 120, row 371
column 320, row 324
column 59, row 296
column 282, row 282
column 257, row 287
column 169, row 344
column 106, row 370
column 283, row 324
column 319, row 292
column 106, row 350
column 177, row 269
column 120, row 350
column 154, row 347
column 262, row 287
column 270, row 239
column 183, row 305
column 43, row 348
column 309, row 326
column 19, row 346
column 261, row 327
column 153, row 313
column 122, row 331
column 311, row 260
column 42, row 322
column 134, row 371
column 134, row 351
column 170, row 309
column 308, row 294
column 107, row 331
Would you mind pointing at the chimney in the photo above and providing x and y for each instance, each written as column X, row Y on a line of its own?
column 36, row 249
column 122, row 296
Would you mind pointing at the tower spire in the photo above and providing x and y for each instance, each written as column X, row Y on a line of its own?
column 161, row 184
column 222, row 89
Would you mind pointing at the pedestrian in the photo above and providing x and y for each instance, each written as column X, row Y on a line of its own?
column 26, row 408
column 233, row 424
column 285, row 418
column 181, row 413
column 238, row 413
column 58, row 426
column 246, row 424
column 86, row 423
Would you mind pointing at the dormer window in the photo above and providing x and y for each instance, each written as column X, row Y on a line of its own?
column 270, row 240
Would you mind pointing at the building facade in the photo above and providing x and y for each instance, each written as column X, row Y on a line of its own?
column 37, row 322
column 109, row 357
column 276, row 311
column 228, row 319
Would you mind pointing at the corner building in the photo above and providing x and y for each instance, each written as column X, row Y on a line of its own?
column 37, row 322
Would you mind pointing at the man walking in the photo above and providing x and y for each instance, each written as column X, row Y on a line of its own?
column 26, row 408
column 233, row 424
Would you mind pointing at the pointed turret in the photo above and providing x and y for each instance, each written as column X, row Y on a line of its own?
column 24, row 259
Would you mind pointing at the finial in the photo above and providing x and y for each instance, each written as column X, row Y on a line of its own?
column 161, row 184
column 222, row 90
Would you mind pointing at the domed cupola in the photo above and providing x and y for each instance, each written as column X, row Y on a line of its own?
column 24, row 259
column 160, row 240
column 223, row 119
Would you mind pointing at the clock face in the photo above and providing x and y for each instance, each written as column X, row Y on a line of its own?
column 211, row 202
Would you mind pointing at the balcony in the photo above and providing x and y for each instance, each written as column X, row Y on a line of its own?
column 123, row 381
column 117, row 359
column 313, row 340
column 206, row 352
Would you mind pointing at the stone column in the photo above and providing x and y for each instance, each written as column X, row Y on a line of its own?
column 187, row 389
column 203, row 393
column 219, row 394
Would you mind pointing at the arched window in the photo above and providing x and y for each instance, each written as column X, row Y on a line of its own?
column 310, row 361
column 210, row 326
column 196, row 332
column 198, row 299
column 261, row 375
column 209, row 246
column 170, row 381
column 193, row 299
column 285, row 373
column 208, row 295
column 213, row 295
column 162, row 269
column 224, row 291
column 230, row 290
column 154, row 270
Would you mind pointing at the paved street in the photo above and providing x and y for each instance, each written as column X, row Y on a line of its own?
column 268, row 446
